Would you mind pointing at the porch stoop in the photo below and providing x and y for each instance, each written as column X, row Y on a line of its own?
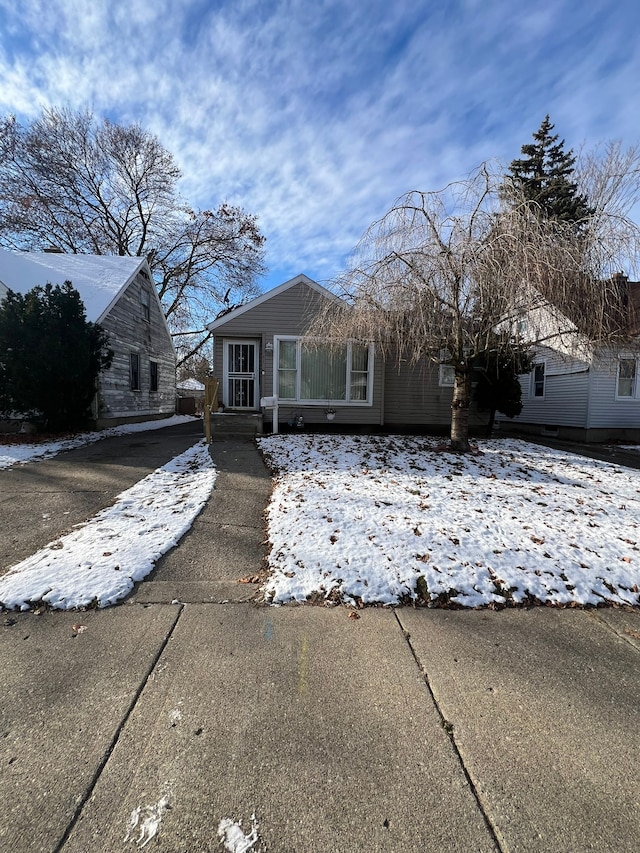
column 235, row 425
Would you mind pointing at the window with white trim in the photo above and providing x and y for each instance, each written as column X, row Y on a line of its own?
column 320, row 373
column 537, row 380
column 626, row 381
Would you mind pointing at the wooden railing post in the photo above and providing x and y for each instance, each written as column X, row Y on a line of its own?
column 210, row 404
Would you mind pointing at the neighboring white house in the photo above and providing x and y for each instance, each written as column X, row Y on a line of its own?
column 118, row 293
column 577, row 390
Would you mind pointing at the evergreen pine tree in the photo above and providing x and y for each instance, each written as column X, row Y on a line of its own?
column 497, row 387
column 50, row 357
column 545, row 176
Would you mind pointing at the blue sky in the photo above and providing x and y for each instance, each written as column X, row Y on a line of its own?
column 317, row 116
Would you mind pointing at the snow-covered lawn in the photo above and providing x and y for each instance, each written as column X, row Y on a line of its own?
column 389, row 519
column 12, row 454
column 100, row 561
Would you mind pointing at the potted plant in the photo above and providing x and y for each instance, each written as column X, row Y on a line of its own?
column 330, row 413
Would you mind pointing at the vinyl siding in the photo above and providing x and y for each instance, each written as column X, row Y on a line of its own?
column 605, row 411
column 401, row 398
column 566, row 393
column 130, row 333
column 565, row 401
column 413, row 397
column 290, row 313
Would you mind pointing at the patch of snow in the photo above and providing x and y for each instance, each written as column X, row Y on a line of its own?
column 147, row 821
column 102, row 559
column 190, row 384
column 233, row 838
column 364, row 518
column 11, row 454
column 175, row 717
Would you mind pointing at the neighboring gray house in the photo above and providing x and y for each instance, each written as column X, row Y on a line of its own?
column 260, row 353
column 119, row 294
column 579, row 391
column 592, row 399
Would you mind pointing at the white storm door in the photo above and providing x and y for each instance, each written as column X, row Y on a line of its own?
column 241, row 386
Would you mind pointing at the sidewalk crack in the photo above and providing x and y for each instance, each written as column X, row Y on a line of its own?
column 447, row 725
column 116, row 737
column 628, row 635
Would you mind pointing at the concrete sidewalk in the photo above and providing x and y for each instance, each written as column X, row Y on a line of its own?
column 404, row 730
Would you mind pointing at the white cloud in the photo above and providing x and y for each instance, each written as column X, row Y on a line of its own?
column 317, row 117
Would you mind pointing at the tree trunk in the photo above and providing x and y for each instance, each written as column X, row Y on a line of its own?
column 460, row 411
column 491, row 422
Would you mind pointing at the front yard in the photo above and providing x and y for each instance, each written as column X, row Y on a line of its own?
column 373, row 520
column 369, row 519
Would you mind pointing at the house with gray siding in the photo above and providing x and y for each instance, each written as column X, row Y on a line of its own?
column 118, row 293
column 577, row 390
column 265, row 364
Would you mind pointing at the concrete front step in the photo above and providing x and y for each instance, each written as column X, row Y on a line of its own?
column 228, row 425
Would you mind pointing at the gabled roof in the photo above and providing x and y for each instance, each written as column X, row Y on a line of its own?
column 99, row 279
column 264, row 297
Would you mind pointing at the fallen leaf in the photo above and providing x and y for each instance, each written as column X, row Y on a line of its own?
column 354, row 615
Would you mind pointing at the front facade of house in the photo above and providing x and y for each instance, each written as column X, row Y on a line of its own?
column 119, row 294
column 261, row 356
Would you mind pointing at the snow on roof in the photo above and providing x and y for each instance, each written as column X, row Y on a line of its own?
column 190, row 384
column 99, row 279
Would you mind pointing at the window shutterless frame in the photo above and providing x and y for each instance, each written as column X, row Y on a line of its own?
column 626, row 378
column 315, row 374
column 538, row 377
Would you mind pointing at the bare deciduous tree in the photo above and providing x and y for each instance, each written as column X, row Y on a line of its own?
column 92, row 186
column 447, row 275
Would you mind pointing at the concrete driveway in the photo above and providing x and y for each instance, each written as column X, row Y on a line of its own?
column 403, row 730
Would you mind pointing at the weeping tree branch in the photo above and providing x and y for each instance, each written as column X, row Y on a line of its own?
column 457, row 271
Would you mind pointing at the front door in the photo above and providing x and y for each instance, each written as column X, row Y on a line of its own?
column 241, row 389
